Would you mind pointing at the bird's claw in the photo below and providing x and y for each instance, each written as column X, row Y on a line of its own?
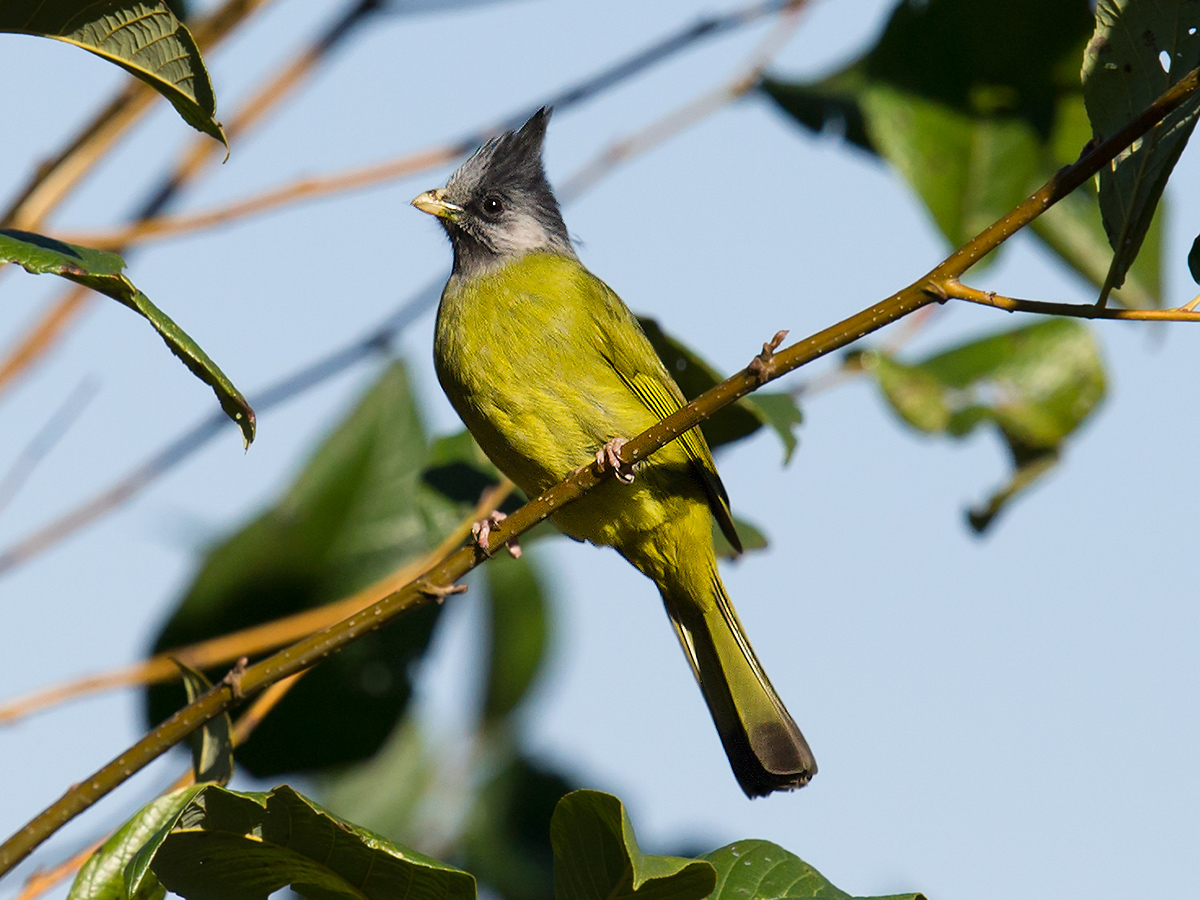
column 608, row 458
column 758, row 365
column 481, row 533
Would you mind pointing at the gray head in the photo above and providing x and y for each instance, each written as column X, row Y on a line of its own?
column 498, row 206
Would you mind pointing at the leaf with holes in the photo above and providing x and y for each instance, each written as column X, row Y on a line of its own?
column 103, row 272
column 1138, row 50
column 143, row 37
column 939, row 97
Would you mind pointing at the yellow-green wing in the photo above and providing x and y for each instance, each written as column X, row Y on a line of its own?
column 639, row 367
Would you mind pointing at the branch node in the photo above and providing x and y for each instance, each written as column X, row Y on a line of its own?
column 438, row 592
column 758, row 367
column 233, row 678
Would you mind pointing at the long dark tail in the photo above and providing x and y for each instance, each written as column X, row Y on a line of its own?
column 765, row 748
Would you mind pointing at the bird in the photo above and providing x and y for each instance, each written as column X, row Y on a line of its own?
column 549, row 370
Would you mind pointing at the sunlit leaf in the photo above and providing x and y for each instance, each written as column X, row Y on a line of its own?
column 212, row 742
column 1036, row 385
column 940, row 98
column 143, row 37
column 760, row 870
column 596, row 857
column 103, row 272
column 111, row 873
column 238, row 846
column 1139, row 49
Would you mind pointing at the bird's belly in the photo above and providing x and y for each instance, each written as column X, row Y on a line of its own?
column 537, row 436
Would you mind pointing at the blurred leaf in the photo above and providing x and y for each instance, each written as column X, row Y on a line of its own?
column 969, row 168
column 507, row 841
column 736, row 421
column 102, row 272
column 752, row 539
column 108, row 873
column 1035, row 384
column 976, row 103
column 385, row 793
column 596, row 856
column 143, row 37
column 760, row 870
column 237, row 846
column 212, row 742
column 1139, row 49
column 517, row 636
column 359, row 510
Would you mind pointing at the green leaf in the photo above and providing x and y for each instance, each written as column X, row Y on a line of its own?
column 1122, row 76
column 596, row 856
column 517, row 634
column 111, row 873
column 143, row 37
column 736, row 421
column 102, row 271
column 1036, row 385
column 359, row 510
column 212, row 742
column 970, row 169
column 760, row 870
column 976, row 103
column 237, row 846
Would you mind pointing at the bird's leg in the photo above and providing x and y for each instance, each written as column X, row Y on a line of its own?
column 608, row 458
column 481, row 531
column 758, row 365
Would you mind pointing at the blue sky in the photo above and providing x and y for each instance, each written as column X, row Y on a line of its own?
column 990, row 716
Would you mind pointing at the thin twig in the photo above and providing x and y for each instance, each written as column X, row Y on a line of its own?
column 745, row 79
column 45, row 440
column 46, row 332
column 42, row 881
column 959, row 291
column 257, row 639
column 310, row 188
column 56, row 178
column 434, row 584
column 384, row 334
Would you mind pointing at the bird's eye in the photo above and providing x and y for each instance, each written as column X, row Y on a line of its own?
column 492, row 206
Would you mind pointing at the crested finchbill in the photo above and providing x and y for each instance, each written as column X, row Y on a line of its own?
column 549, row 370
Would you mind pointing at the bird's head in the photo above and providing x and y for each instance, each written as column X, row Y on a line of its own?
column 498, row 206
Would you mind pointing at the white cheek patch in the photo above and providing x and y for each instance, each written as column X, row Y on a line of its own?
column 522, row 234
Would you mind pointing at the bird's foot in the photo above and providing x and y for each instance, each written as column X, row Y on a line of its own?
column 481, row 532
column 608, row 459
column 439, row 592
column 758, row 365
